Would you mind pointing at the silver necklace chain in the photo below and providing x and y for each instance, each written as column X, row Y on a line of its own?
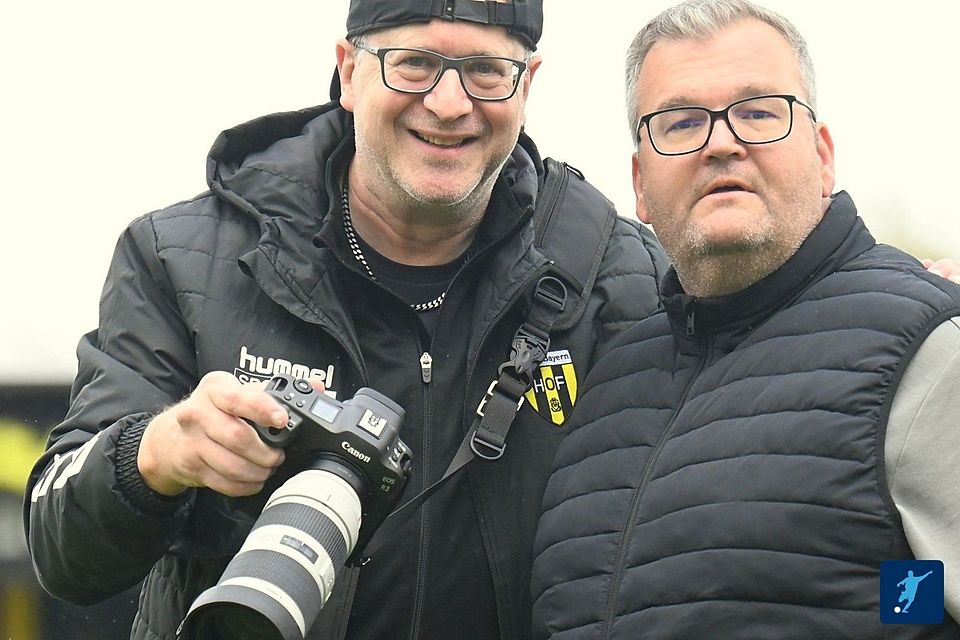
column 358, row 254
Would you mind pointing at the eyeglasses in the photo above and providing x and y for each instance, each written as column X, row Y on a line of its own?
column 759, row 120
column 488, row 78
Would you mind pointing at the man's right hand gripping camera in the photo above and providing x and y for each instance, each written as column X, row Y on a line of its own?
column 353, row 470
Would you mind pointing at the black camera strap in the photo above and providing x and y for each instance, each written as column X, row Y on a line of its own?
column 565, row 221
column 487, row 435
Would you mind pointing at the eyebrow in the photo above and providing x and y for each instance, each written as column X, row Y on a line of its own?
column 741, row 93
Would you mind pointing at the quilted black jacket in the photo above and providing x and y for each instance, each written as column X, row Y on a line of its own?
column 254, row 276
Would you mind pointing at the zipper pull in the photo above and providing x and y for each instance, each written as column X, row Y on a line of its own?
column 426, row 366
column 689, row 311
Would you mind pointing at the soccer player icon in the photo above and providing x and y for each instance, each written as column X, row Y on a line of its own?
column 909, row 592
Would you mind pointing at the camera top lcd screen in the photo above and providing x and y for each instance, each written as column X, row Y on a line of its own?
column 325, row 410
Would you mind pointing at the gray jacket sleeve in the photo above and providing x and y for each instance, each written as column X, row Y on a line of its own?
column 921, row 454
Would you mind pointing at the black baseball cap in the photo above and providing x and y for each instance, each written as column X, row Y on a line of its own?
column 523, row 19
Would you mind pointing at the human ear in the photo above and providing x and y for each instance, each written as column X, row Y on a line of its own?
column 828, row 174
column 346, row 65
column 642, row 214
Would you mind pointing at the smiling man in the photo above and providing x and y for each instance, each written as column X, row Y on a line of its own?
column 743, row 462
column 407, row 237
column 431, row 142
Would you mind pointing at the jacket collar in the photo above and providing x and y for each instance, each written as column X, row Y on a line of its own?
column 282, row 171
column 513, row 198
column 839, row 237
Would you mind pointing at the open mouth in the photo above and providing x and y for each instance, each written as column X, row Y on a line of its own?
column 727, row 188
column 443, row 143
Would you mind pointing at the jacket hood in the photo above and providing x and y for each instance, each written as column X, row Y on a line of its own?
column 273, row 167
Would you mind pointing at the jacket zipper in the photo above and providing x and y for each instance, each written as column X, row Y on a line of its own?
column 648, row 470
column 426, row 367
column 426, row 373
column 420, row 589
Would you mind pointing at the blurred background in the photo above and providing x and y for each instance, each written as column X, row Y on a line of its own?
column 111, row 107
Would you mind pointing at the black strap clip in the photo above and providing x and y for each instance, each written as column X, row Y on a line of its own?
column 526, row 353
column 532, row 339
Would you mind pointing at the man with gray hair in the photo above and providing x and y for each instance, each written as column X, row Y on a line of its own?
column 406, row 236
column 742, row 462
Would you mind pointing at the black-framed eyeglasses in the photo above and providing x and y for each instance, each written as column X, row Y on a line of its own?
column 758, row 120
column 488, row 78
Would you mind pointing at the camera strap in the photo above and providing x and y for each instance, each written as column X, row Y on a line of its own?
column 565, row 221
column 487, row 435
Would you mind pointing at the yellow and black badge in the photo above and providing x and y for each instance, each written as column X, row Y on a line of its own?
column 554, row 390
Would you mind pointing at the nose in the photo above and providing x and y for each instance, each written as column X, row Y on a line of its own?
column 723, row 143
column 448, row 100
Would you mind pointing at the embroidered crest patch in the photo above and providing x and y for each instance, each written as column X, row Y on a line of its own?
column 554, row 390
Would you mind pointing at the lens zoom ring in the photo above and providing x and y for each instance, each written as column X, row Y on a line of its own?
column 314, row 523
column 284, row 573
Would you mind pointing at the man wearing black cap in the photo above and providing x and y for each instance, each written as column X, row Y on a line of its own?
column 407, row 237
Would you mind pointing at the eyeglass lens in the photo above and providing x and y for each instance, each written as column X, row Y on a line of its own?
column 758, row 120
column 482, row 76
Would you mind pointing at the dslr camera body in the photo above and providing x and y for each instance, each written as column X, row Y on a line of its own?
column 362, row 433
column 352, row 470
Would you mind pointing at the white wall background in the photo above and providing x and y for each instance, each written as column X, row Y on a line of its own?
column 110, row 106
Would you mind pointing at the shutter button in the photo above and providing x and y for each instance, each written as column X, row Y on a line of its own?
column 302, row 386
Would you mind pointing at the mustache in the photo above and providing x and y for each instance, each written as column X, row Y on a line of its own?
column 706, row 184
column 472, row 129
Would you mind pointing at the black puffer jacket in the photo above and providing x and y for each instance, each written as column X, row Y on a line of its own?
column 726, row 479
column 253, row 277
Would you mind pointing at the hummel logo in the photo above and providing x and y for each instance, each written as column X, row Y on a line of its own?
column 254, row 368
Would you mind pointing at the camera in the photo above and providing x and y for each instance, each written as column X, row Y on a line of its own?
column 352, row 469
